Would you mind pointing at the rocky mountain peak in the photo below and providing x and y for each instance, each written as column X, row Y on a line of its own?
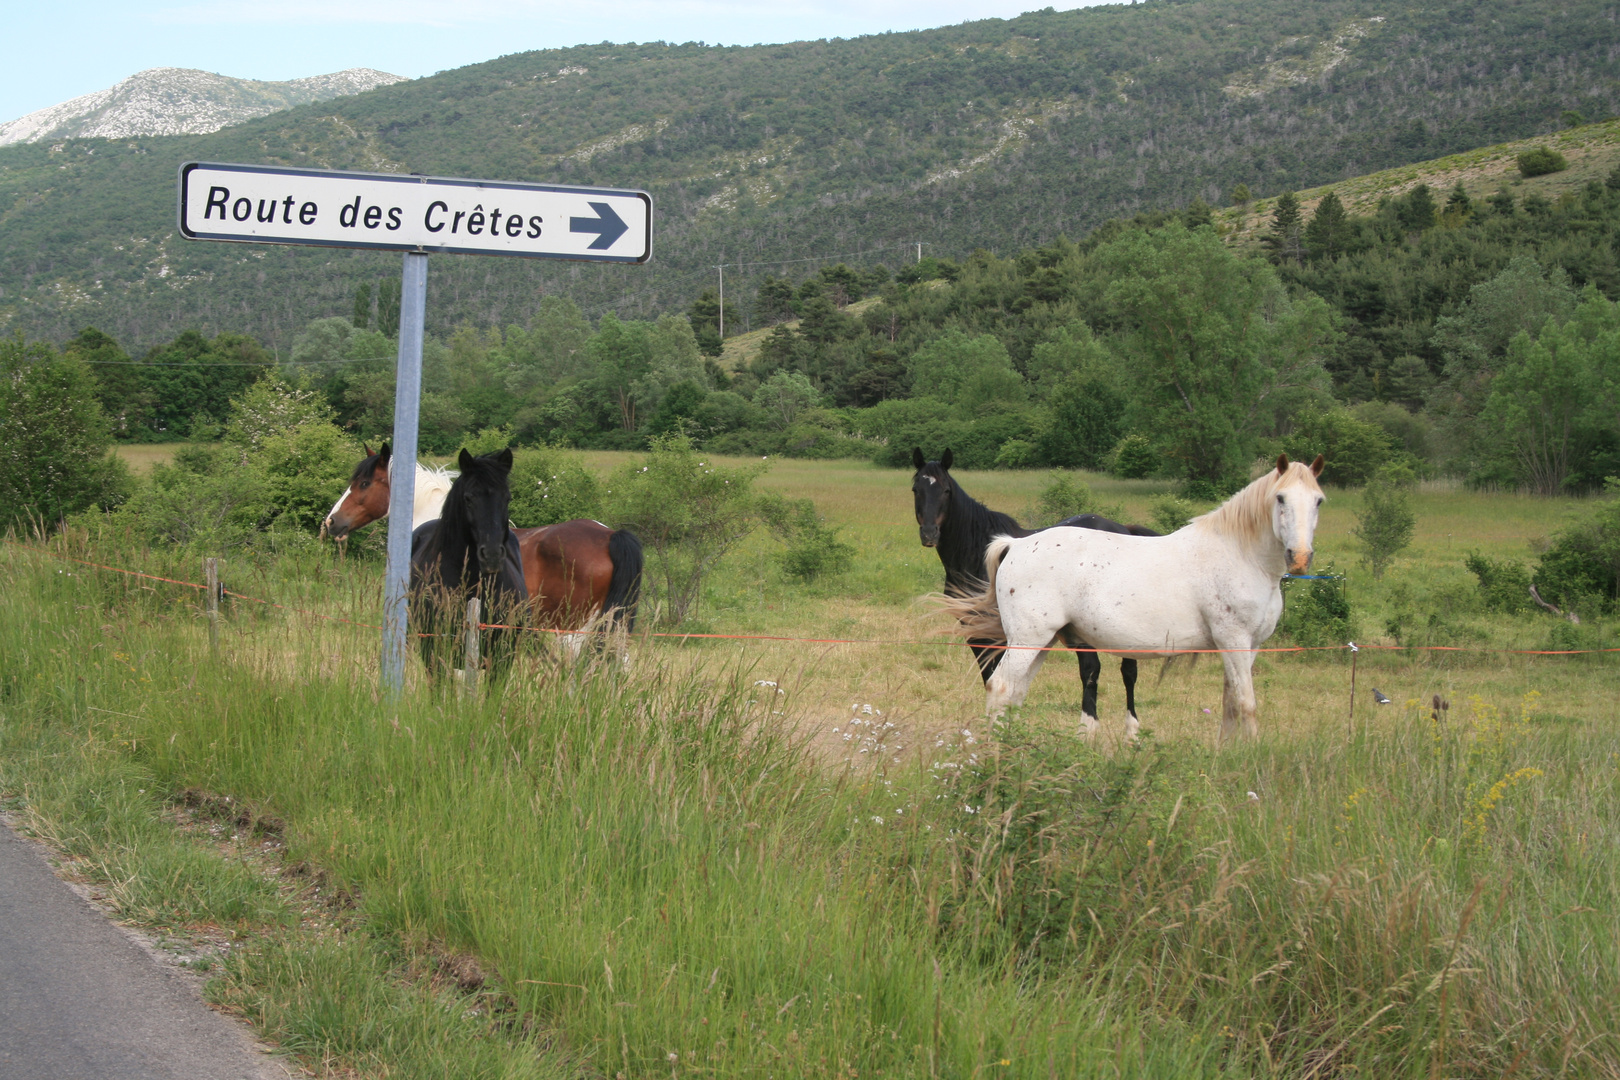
column 181, row 101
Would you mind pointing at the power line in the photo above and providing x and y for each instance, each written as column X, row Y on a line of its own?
column 824, row 258
column 230, row 363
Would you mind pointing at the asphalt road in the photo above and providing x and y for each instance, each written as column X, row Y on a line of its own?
column 80, row 1000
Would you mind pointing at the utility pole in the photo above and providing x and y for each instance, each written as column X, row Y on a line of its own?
column 722, row 269
column 919, row 251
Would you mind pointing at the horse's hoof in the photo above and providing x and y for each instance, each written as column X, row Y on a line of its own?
column 1088, row 725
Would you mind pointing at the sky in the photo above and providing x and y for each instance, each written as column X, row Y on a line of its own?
column 78, row 46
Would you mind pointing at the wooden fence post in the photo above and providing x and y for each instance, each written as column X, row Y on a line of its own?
column 470, row 661
column 211, row 576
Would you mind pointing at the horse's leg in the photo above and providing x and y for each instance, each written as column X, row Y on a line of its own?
column 1127, row 672
column 1237, row 700
column 1009, row 686
column 986, row 655
column 1090, row 672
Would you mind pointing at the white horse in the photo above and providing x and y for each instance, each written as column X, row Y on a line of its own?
column 1215, row 585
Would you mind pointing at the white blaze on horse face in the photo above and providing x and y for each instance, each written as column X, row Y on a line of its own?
column 336, row 507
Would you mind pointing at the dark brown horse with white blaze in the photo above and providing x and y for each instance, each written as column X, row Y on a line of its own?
column 959, row 528
column 575, row 573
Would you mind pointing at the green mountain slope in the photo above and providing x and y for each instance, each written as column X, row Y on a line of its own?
column 1591, row 150
column 997, row 134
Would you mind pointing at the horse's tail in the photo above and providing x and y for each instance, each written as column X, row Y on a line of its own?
column 977, row 612
column 624, row 588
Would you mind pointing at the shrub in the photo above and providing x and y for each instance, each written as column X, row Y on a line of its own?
column 976, row 443
column 1016, row 454
column 56, row 459
column 303, row 469
column 1082, row 423
column 1582, row 567
column 1504, row 585
column 1210, row 491
column 814, row 548
column 687, row 511
column 1134, row 458
column 278, row 468
column 1171, row 512
column 272, row 407
column 1064, row 496
column 202, row 500
column 1353, row 449
column 784, row 396
column 1316, row 611
column 551, row 485
column 968, row 372
column 819, row 435
column 1386, row 522
column 487, row 441
column 1541, row 160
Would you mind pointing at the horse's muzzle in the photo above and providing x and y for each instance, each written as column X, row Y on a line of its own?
column 336, row 527
column 1299, row 561
column 929, row 537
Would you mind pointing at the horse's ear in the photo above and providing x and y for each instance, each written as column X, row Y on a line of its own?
column 917, row 458
column 1318, row 465
column 504, row 458
column 465, row 460
column 1282, row 464
column 383, row 454
column 365, row 449
column 945, row 460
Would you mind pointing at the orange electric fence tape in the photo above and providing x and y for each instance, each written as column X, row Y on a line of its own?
column 827, row 641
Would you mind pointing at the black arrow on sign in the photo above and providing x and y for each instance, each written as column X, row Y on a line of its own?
column 608, row 226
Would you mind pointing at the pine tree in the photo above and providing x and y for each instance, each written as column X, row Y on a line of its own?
column 388, row 307
column 1197, row 214
column 704, row 315
column 1284, row 240
column 1458, row 203
column 1416, row 211
column 774, row 302
column 1329, row 229
column 362, row 305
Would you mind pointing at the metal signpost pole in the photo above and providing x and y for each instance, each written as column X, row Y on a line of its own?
column 402, row 466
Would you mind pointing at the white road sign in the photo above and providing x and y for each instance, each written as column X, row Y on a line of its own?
column 269, row 205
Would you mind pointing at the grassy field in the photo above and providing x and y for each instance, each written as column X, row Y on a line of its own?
column 140, row 457
column 680, row 869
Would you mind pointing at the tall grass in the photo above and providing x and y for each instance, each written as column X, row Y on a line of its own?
column 661, row 877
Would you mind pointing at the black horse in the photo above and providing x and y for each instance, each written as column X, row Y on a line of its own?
column 469, row 551
column 959, row 527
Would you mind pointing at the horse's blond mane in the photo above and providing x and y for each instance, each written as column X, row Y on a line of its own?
column 1247, row 515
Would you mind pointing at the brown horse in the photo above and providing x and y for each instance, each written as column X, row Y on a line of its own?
column 574, row 572
column 578, row 570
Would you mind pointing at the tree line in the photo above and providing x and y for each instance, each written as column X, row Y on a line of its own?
column 1457, row 335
